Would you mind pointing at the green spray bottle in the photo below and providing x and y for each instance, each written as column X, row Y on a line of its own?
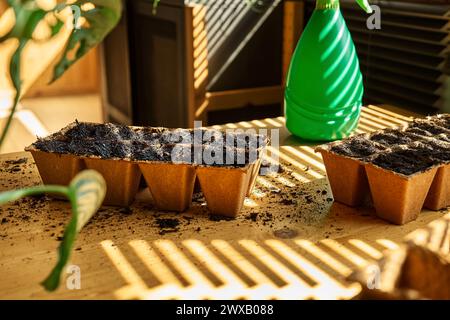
column 324, row 85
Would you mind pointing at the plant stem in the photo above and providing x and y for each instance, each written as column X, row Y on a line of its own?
column 12, row 195
column 49, row 188
column 10, row 117
column 15, row 77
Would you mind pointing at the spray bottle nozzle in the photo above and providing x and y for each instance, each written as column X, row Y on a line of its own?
column 365, row 5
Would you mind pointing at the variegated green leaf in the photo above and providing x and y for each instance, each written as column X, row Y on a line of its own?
column 86, row 193
column 100, row 21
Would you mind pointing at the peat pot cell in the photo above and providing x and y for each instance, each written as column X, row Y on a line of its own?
column 345, row 168
column 122, row 179
column 398, row 198
column 224, row 188
column 347, row 178
column 57, row 168
column 439, row 195
column 171, row 185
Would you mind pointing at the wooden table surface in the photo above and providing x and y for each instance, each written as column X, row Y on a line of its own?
column 291, row 241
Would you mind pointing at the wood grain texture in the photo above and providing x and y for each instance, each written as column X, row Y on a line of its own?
column 291, row 241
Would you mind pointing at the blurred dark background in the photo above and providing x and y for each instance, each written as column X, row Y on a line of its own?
column 225, row 61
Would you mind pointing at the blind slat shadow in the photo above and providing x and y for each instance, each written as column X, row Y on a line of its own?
column 246, row 269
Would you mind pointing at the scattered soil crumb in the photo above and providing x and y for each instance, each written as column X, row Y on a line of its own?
column 167, row 225
column 17, row 161
column 126, row 210
column 216, row 217
column 288, row 202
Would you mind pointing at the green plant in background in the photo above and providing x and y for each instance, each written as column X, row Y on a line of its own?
column 87, row 190
column 86, row 193
column 100, row 20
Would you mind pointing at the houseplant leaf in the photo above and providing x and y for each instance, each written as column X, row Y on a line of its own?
column 99, row 22
column 86, row 193
column 13, row 195
column 27, row 16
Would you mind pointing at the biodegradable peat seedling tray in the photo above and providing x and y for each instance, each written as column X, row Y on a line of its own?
column 410, row 272
column 401, row 169
column 168, row 159
column 345, row 168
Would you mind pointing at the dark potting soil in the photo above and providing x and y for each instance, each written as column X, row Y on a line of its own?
column 418, row 131
column 201, row 136
column 167, row 223
column 442, row 137
column 216, row 217
column 427, row 126
column 252, row 216
column 425, row 133
column 155, row 144
column 16, row 162
column 106, row 149
column 52, row 145
column 435, row 149
column 442, row 120
column 150, row 152
column 426, row 142
column 181, row 153
column 407, row 162
column 225, row 156
column 213, row 137
column 357, row 147
column 391, row 137
column 244, row 140
column 108, row 131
